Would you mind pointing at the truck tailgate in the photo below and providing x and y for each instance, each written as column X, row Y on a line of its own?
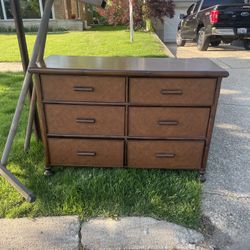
column 236, row 16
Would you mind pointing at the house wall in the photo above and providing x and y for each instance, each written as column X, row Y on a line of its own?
column 59, row 9
column 171, row 25
column 167, row 30
column 54, row 25
column 59, row 21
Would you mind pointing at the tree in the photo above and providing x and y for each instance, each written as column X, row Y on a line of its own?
column 117, row 11
column 158, row 9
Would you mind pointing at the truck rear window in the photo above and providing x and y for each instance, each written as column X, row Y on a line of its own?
column 209, row 3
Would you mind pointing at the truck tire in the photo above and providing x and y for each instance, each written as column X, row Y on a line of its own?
column 247, row 44
column 202, row 40
column 215, row 43
column 179, row 41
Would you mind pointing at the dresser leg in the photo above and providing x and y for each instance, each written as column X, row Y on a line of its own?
column 202, row 177
column 48, row 171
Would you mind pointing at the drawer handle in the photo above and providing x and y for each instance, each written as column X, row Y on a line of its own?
column 84, row 89
column 168, row 123
column 171, row 92
column 85, row 120
column 83, row 153
column 165, row 155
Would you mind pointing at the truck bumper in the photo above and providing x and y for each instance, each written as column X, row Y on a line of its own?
column 223, row 32
column 230, row 32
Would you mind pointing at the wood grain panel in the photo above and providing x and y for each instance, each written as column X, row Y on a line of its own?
column 168, row 122
column 83, row 88
column 172, row 91
column 84, row 120
column 81, row 152
column 165, row 154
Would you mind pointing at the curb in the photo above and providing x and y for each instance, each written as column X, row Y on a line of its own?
column 166, row 49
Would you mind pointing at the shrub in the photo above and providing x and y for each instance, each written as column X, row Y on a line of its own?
column 158, row 9
column 117, row 11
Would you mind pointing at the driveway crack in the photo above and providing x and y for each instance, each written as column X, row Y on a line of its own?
column 230, row 195
column 233, row 104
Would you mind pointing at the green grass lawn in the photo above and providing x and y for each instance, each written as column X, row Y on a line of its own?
column 89, row 192
column 102, row 41
column 170, row 195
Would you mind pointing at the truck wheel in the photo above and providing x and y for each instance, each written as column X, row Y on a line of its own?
column 179, row 40
column 202, row 41
column 215, row 43
column 247, row 44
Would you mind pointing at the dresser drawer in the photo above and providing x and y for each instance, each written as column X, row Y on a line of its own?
column 79, row 152
column 83, row 88
column 172, row 91
column 84, row 120
column 165, row 154
column 168, row 122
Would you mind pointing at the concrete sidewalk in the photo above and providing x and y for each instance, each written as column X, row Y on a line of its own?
column 10, row 66
column 226, row 194
column 59, row 233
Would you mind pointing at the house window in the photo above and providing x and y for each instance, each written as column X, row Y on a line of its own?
column 6, row 5
column 30, row 9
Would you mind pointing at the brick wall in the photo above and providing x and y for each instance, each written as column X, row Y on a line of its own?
column 59, row 9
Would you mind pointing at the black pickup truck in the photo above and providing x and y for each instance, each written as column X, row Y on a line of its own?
column 210, row 22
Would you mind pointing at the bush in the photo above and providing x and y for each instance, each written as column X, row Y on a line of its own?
column 158, row 9
column 117, row 11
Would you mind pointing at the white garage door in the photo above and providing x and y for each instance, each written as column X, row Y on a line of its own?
column 170, row 25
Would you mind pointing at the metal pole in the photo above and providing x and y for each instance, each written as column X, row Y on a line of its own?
column 131, row 21
column 42, row 45
column 27, row 194
column 30, row 119
column 32, row 111
column 28, row 76
column 15, row 5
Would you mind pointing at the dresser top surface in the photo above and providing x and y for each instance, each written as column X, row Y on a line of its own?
column 132, row 66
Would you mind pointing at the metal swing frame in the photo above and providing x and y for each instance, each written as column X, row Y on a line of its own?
column 37, row 56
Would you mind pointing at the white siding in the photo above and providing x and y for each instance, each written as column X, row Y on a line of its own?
column 170, row 25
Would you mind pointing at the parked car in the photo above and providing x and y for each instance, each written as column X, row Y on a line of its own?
column 210, row 22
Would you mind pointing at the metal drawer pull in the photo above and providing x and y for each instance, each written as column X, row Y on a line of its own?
column 83, row 153
column 165, row 155
column 84, row 89
column 171, row 92
column 168, row 123
column 85, row 120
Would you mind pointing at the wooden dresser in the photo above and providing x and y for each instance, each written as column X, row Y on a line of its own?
column 127, row 112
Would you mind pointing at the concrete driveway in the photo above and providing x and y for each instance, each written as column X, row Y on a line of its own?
column 226, row 194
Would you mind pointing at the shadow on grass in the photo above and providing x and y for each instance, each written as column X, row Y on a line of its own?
column 107, row 28
column 35, row 33
column 147, row 56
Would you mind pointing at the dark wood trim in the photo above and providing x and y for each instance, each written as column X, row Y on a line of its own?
column 126, row 120
column 123, row 104
column 211, row 126
column 158, row 74
column 125, row 167
column 125, row 137
column 42, row 119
